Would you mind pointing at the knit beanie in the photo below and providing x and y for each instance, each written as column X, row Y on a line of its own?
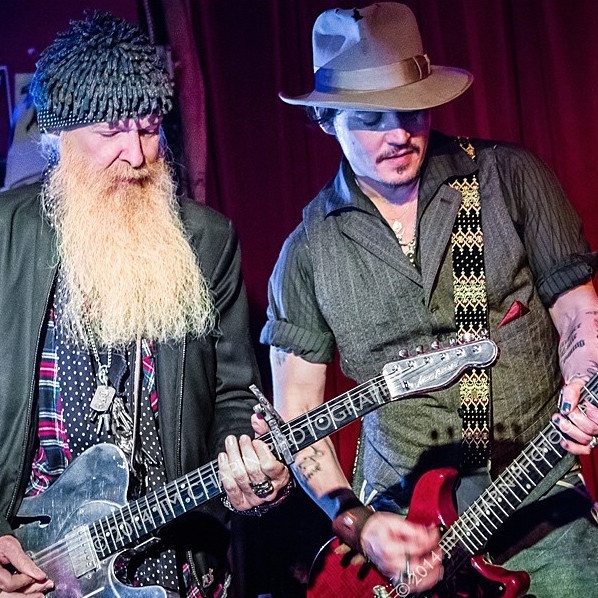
column 102, row 69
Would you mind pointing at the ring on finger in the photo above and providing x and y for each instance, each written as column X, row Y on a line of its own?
column 406, row 573
column 262, row 489
column 593, row 442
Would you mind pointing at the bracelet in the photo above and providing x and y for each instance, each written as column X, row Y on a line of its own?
column 259, row 510
column 348, row 525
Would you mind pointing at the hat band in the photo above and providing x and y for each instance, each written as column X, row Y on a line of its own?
column 397, row 74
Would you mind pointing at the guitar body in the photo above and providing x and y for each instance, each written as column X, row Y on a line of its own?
column 93, row 486
column 432, row 504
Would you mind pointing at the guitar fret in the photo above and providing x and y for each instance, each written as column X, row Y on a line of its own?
column 552, row 451
column 504, row 497
column 155, row 508
column 204, row 487
column 376, row 391
column 353, row 408
column 310, row 427
column 168, row 502
column 98, row 543
column 518, row 468
column 464, row 540
column 138, row 520
column 178, row 497
column 485, row 508
column 517, row 482
column 105, row 538
column 117, row 536
column 531, row 462
column 189, row 485
column 479, row 516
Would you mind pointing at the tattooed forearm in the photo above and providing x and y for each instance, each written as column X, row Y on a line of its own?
column 309, row 464
column 569, row 339
column 574, row 348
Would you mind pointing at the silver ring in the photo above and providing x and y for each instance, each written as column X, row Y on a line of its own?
column 406, row 574
column 262, row 489
column 593, row 442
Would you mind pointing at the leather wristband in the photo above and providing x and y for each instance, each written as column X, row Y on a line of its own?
column 348, row 524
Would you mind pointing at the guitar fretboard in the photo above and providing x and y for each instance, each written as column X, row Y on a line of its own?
column 480, row 521
column 421, row 373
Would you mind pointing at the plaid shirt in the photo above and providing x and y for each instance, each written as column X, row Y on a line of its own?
column 53, row 454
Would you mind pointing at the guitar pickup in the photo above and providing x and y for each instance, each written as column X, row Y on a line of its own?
column 83, row 556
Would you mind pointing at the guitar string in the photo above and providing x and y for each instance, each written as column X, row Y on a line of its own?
column 55, row 550
column 451, row 539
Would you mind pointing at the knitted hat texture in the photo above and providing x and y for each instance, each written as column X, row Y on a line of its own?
column 102, row 69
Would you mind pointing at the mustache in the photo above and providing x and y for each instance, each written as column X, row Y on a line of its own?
column 398, row 151
column 122, row 172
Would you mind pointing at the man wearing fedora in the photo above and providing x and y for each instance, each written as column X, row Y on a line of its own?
column 424, row 238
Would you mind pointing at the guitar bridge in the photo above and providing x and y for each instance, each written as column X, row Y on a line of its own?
column 82, row 554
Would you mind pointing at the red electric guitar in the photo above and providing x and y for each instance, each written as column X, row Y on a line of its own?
column 466, row 573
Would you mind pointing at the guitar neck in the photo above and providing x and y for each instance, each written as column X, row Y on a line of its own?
column 410, row 376
column 400, row 379
column 145, row 515
column 478, row 523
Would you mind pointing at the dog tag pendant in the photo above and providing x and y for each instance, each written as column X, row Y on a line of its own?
column 102, row 398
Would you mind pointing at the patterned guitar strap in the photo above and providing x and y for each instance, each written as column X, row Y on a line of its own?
column 471, row 316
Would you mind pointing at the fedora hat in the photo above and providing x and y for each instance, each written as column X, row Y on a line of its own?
column 372, row 58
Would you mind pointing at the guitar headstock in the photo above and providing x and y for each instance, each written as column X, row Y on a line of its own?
column 437, row 369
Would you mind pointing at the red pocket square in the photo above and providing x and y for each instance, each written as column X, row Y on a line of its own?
column 515, row 311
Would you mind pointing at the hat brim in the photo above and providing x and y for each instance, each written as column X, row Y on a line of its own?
column 441, row 86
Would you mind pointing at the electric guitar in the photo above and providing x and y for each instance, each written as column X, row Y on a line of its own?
column 466, row 573
column 77, row 528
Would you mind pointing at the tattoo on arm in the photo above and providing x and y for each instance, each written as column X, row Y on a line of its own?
column 569, row 340
column 310, row 464
column 572, row 349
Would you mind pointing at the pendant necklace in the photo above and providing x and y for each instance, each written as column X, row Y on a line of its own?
column 104, row 393
column 408, row 248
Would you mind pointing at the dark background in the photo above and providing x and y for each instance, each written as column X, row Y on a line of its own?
column 242, row 151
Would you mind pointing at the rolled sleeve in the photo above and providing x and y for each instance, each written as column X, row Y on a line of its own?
column 295, row 323
column 578, row 270
column 551, row 229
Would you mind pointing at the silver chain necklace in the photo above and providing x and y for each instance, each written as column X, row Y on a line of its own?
column 104, row 393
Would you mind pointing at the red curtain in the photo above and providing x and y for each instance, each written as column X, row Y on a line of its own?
column 536, row 77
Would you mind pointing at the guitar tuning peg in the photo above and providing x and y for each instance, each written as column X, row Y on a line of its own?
column 467, row 337
column 403, row 353
column 435, row 345
column 419, row 350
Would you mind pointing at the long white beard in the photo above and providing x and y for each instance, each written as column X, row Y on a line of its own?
column 127, row 264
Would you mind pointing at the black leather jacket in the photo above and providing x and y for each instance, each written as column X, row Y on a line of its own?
column 202, row 384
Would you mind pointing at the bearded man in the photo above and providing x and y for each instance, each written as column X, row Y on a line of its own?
column 124, row 323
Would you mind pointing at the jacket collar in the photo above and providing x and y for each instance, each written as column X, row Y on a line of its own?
column 445, row 161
